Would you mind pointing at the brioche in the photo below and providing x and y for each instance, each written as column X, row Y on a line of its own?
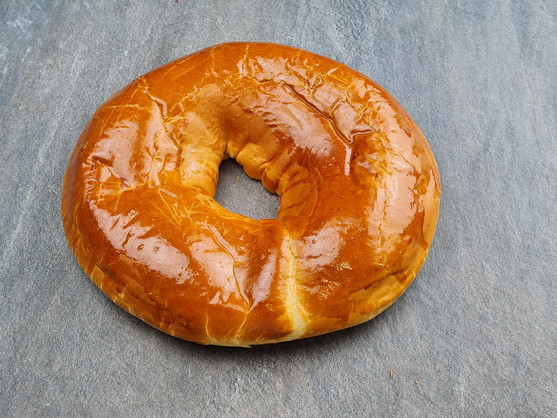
column 358, row 185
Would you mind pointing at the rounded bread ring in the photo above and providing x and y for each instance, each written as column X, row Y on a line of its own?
column 358, row 184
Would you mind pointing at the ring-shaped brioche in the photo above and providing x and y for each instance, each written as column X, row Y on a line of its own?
column 358, row 184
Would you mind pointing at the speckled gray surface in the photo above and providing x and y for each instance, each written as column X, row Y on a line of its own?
column 476, row 332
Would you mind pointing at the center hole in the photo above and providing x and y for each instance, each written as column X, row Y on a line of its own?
column 241, row 194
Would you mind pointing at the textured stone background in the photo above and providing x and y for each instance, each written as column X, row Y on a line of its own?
column 476, row 332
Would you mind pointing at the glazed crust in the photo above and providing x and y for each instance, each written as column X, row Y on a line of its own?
column 359, row 197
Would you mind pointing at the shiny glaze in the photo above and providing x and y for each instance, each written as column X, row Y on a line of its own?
column 359, row 196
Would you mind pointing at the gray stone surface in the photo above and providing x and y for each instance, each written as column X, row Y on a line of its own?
column 474, row 335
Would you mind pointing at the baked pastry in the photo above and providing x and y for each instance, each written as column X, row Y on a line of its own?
column 358, row 184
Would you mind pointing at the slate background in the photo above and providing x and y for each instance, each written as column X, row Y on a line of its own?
column 476, row 332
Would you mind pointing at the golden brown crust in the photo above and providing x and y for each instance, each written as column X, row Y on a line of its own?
column 359, row 197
